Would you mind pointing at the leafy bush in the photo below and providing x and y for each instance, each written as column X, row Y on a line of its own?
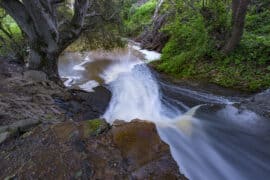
column 193, row 50
column 259, row 23
column 140, row 17
column 189, row 42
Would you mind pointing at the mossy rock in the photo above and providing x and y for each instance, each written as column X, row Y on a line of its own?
column 138, row 142
column 95, row 127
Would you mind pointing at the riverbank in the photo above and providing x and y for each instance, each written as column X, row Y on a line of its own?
column 242, row 77
column 256, row 102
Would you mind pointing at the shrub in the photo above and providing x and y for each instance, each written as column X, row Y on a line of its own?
column 140, row 17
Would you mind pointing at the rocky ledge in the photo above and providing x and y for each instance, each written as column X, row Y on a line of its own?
column 89, row 150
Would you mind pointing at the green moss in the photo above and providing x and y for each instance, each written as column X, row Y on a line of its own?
column 95, row 127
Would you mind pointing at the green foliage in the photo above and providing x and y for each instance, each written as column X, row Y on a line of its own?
column 104, row 30
column 12, row 42
column 139, row 18
column 198, row 33
column 189, row 42
column 253, row 48
column 259, row 23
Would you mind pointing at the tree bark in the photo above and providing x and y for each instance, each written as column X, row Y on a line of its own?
column 239, row 10
column 37, row 19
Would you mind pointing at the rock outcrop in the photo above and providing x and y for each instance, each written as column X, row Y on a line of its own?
column 82, row 105
column 146, row 156
column 89, row 150
column 259, row 103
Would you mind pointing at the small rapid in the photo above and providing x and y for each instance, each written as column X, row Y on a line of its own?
column 135, row 96
column 210, row 137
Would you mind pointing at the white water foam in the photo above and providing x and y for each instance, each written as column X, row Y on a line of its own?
column 72, row 73
column 89, row 86
column 80, row 67
column 149, row 56
column 135, row 92
column 71, row 80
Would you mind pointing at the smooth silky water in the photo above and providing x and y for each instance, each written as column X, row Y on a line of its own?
column 213, row 140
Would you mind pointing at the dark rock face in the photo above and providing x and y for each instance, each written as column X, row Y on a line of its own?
column 67, row 151
column 83, row 105
column 259, row 103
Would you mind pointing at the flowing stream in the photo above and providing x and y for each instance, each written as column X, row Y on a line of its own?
column 209, row 136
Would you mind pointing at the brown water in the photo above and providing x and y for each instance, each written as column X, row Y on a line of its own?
column 81, row 68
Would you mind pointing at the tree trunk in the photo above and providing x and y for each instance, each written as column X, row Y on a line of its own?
column 239, row 10
column 44, row 61
column 47, row 39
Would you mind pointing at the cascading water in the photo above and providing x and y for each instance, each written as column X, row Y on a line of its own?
column 136, row 96
column 213, row 141
column 135, row 91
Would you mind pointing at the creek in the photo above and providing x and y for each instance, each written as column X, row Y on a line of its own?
column 210, row 137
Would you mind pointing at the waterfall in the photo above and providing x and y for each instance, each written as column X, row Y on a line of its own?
column 207, row 142
column 135, row 93
column 216, row 140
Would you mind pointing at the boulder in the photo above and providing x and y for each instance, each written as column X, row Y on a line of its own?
column 147, row 156
column 89, row 150
column 82, row 105
column 95, row 127
column 259, row 103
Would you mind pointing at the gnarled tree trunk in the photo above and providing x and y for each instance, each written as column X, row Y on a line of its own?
column 239, row 10
column 47, row 39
